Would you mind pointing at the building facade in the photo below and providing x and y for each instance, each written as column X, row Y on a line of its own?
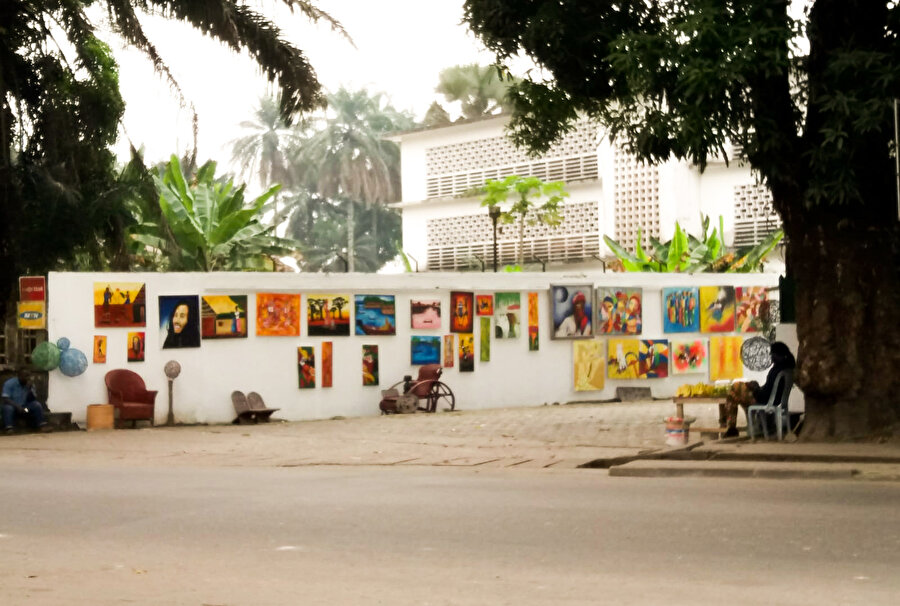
column 445, row 228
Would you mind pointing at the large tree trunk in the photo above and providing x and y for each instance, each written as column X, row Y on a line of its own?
column 848, row 324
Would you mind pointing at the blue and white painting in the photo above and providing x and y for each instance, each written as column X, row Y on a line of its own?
column 425, row 349
column 375, row 315
column 681, row 309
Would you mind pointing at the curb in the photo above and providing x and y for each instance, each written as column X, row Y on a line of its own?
column 735, row 469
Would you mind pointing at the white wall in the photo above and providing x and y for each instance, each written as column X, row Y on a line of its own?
column 268, row 365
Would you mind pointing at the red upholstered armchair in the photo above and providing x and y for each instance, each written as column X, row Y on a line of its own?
column 128, row 393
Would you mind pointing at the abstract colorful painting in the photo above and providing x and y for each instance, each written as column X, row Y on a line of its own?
column 466, row 352
column 534, row 343
column 725, row 358
column 689, row 356
column 508, row 315
column 327, row 364
column 135, row 347
column 462, row 311
column 570, row 311
column 370, row 365
column 622, row 358
column 306, row 367
column 751, row 306
column 223, row 316
column 681, row 309
column 375, row 315
column 328, row 315
column 449, row 351
column 619, row 311
column 485, row 305
column 484, row 349
column 425, row 349
column 653, row 359
column 590, row 364
column 179, row 321
column 120, row 304
column 716, row 308
column 425, row 313
column 277, row 315
column 99, row 349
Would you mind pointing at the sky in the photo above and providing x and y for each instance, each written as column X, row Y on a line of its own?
column 400, row 47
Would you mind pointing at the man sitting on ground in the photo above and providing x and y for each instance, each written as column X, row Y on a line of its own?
column 19, row 400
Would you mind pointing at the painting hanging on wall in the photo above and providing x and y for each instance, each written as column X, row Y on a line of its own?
column 328, row 315
column 306, row 367
column 689, row 356
column 179, row 321
column 508, row 315
column 120, row 304
column 751, row 302
column 135, row 347
column 449, row 351
column 466, row 352
column 725, row 358
column 570, row 311
column 327, row 373
column 375, row 315
column 653, row 359
column 484, row 349
column 462, row 310
column 716, row 309
column 534, row 343
column 425, row 349
column 619, row 311
column 370, row 364
column 425, row 313
column 623, row 358
column 99, row 349
column 590, row 364
column 223, row 316
column 485, row 305
column 681, row 309
column 277, row 315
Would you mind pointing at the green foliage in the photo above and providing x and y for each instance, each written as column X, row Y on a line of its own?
column 526, row 192
column 686, row 253
column 211, row 226
column 480, row 89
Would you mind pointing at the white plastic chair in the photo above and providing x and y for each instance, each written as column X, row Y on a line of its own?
column 778, row 409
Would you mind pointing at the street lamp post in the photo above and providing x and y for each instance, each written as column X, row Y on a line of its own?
column 495, row 215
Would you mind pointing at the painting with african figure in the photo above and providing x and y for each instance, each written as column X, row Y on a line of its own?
column 306, row 367
column 619, row 311
column 223, row 316
column 681, row 309
column 462, row 311
column 328, row 315
column 570, row 311
column 120, row 304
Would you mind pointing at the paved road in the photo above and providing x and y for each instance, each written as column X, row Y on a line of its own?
column 156, row 534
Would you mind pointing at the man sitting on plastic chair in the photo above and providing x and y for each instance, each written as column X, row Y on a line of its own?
column 772, row 397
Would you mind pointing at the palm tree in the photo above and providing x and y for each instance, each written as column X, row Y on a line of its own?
column 346, row 159
column 479, row 89
column 263, row 152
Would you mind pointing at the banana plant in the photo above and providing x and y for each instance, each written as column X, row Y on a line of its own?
column 687, row 253
column 210, row 224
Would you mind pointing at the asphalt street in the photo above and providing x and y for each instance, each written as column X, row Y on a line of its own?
column 156, row 534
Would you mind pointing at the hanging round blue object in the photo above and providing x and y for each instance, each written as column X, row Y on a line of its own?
column 72, row 362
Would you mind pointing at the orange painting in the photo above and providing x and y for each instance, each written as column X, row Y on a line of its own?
column 99, row 349
column 725, row 358
column 277, row 315
column 327, row 348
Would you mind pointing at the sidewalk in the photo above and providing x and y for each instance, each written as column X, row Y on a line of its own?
column 626, row 438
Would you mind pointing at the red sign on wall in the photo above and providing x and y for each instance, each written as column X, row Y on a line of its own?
column 32, row 288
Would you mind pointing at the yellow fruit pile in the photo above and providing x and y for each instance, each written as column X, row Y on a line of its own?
column 701, row 390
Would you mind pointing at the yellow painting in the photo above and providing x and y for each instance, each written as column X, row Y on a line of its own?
column 716, row 309
column 589, row 365
column 120, row 304
column 725, row 358
column 623, row 359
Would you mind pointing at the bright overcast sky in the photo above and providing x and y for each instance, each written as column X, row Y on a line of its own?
column 401, row 45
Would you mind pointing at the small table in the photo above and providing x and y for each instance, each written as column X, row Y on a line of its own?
column 680, row 402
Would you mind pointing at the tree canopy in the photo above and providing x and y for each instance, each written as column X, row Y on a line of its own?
column 60, row 107
column 807, row 97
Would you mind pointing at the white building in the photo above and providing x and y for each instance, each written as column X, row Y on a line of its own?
column 445, row 228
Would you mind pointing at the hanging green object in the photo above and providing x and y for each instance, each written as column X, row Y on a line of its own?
column 45, row 356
